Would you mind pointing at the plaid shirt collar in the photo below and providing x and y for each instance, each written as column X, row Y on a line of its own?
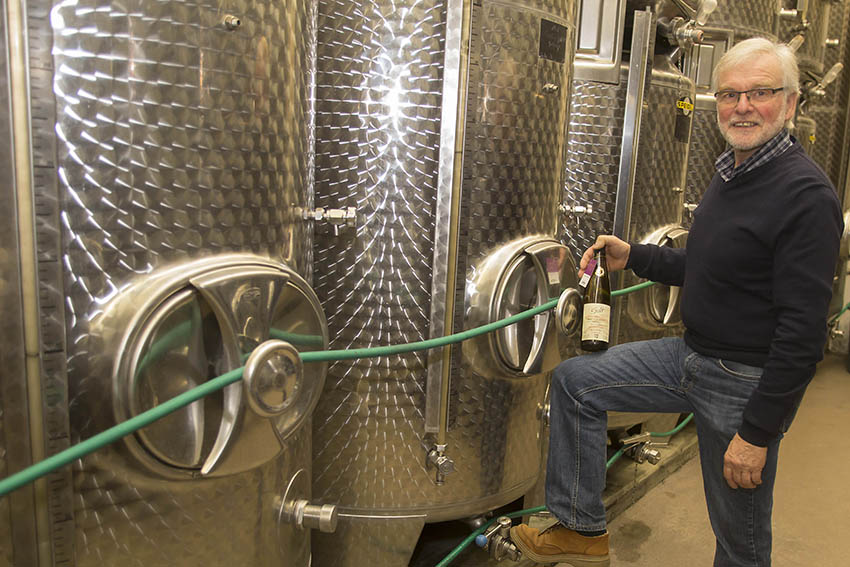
column 774, row 147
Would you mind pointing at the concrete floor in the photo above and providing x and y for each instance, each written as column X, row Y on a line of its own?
column 669, row 526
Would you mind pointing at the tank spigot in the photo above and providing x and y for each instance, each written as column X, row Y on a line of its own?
column 438, row 459
column 338, row 218
column 310, row 516
column 644, row 452
column 497, row 541
column 639, row 448
column 565, row 209
column 543, row 413
column 231, row 22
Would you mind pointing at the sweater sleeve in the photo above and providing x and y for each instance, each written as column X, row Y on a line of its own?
column 805, row 255
column 660, row 264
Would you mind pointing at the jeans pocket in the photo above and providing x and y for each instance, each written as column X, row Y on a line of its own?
column 740, row 370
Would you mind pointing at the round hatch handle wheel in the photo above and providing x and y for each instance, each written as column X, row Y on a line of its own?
column 272, row 375
column 567, row 312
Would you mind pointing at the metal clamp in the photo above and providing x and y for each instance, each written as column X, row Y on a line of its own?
column 337, row 217
column 691, row 207
column 496, row 540
column 438, row 459
column 832, row 42
column 550, row 88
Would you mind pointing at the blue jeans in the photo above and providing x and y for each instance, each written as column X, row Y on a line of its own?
column 663, row 375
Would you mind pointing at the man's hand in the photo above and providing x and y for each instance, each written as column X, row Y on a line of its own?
column 742, row 463
column 616, row 252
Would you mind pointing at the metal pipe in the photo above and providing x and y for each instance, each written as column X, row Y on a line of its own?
column 635, row 87
column 21, row 136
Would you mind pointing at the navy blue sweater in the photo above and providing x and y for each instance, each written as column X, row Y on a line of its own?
column 756, row 277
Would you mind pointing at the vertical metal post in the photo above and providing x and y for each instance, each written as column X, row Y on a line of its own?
column 15, row 13
column 445, row 275
column 635, row 87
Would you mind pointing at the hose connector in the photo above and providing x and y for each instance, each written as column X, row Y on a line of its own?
column 640, row 448
column 497, row 541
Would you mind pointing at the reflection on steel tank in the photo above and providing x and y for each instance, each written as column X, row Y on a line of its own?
column 455, row 227
column 630, row 123
column 171, row 166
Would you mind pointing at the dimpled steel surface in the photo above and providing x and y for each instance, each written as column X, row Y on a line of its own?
column 707, row 144
column 747, row 17
column 377, row 142
column 593, row 161
column 811, row 54
column 830, row 112
column 175, row 139
column 378, row 113
column 661, row 163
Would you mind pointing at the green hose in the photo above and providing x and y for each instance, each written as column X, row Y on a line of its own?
column 835, row 317
column 116, row 432
column 614, row 458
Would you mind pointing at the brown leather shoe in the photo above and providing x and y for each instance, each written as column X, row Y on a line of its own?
column 558, row 544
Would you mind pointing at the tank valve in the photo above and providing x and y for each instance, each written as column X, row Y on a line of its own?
column 443, row 464
column 543, row 413
column 310, row 516
column 786, row 14
column 576, row 209
column 496, row 540
column 337, row 217
column 231, row 22
column 644, row 452
column 639, row 448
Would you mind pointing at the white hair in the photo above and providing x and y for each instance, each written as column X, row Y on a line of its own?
column 750, row 48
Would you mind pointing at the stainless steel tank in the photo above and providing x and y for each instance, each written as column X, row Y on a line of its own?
column 162, row 172
column 456, row 219
column 829, row 110
column 730, row 23
column 630, row 123
column 628, row 138
column 809, row 18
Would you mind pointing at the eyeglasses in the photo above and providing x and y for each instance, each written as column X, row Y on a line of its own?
column 755, row 96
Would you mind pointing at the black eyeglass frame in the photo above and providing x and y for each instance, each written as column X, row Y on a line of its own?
column 773, row 91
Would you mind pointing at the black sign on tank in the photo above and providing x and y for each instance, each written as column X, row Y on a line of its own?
column 553, row 41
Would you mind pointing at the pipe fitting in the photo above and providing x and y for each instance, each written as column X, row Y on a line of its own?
column 231, row 22
column 497, row 541
column 438, row 459
column 311, row 516
column 644, row 452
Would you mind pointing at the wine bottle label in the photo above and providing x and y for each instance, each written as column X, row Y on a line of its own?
column 594, row 322
column 588, row 271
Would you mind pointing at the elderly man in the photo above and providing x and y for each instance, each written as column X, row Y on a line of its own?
column 756, row 279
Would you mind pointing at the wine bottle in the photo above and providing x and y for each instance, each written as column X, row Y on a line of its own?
column 596, row 314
